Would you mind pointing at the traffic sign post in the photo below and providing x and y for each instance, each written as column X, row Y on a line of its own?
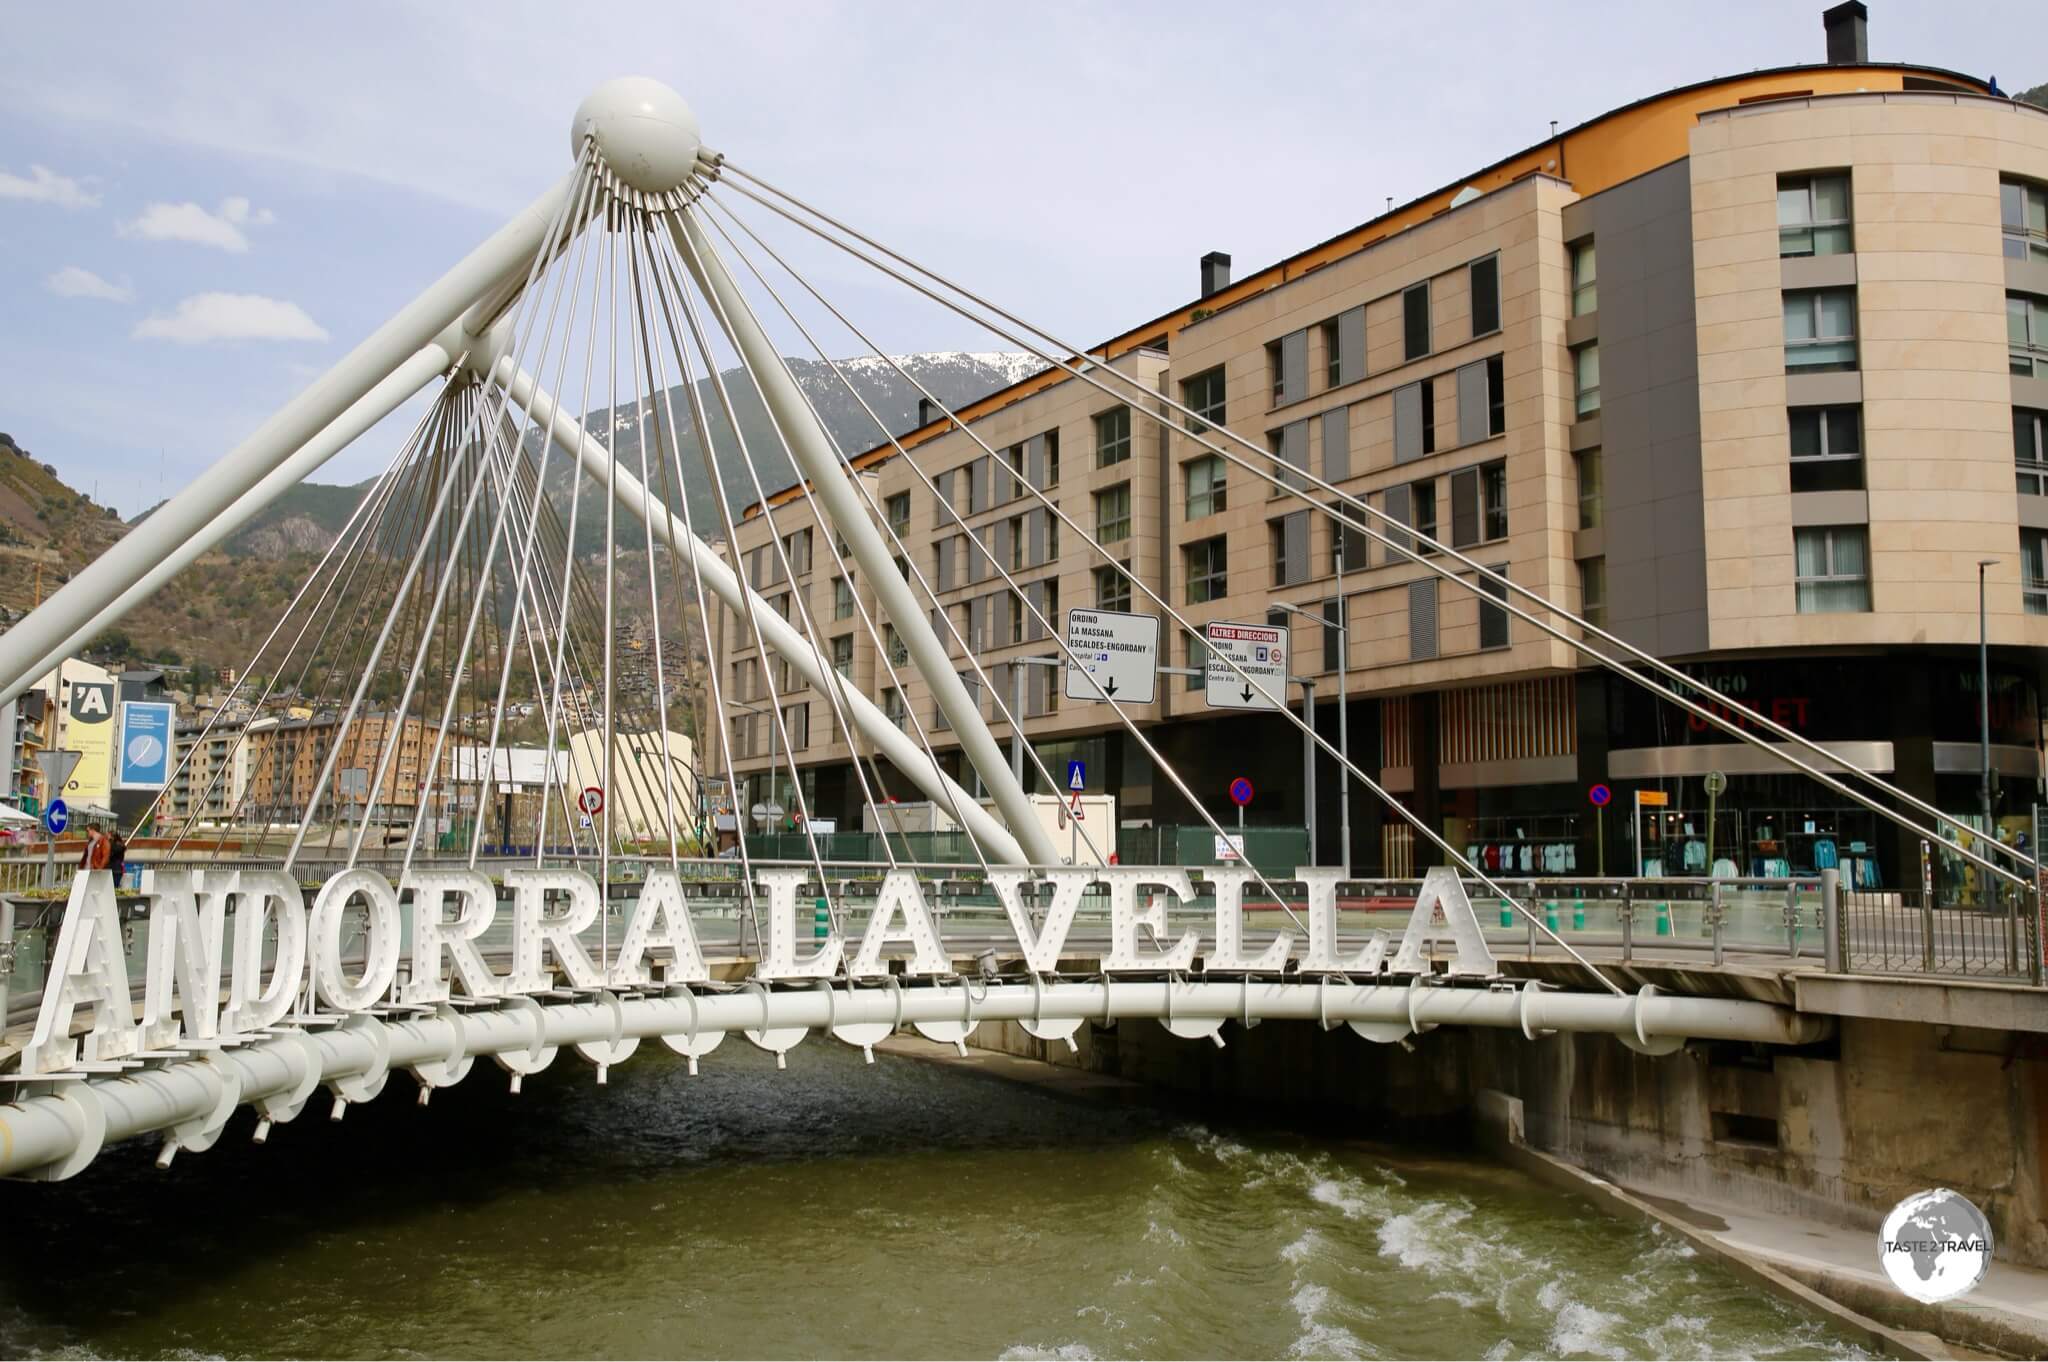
column 1118, row 656
column 1261, row 652
column 1599, row 796
column 1077, row 776
column 1716, row 782
column 1240, row 795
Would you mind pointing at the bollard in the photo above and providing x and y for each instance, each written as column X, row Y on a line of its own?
column 821, row 920
column 1550, row 914
column 1663, row 919
column 1831, row 920
column 1579, row 916
column 1507, row 914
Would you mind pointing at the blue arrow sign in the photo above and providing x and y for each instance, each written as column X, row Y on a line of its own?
column 1077, row 775
column 57, row 817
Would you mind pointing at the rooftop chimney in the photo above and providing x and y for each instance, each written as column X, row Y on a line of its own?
column 1215, row 272
column 1848, row 33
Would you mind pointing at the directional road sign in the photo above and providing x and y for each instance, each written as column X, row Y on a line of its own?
column 1119, row 656
column 56, row 817
column 1261, row 651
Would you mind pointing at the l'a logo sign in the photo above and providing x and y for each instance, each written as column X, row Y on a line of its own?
column 92, row 702
column 200, row 921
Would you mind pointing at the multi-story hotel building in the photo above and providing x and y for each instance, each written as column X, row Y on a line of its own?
column 1754, row 371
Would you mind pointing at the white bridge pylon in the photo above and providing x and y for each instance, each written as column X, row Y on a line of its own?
column 615, row 282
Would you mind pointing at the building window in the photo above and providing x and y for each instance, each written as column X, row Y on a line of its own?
column 1586, row 379
column 1113, row 514
column 1112, row 437
column 1344, row 348
column 2026, row 333
column 1585, row 279
column 1813, row 215
column 1414, row 420
column 1485, row 280
column 1198, row 661
column 1479, row 504
column 1206, row 485
column 1052, row 458
column 1016, row 613
column 1113, row 587
column 1496, row 396
column 1422, row 511
column 842, row 599
column 893, row 707
column 796, row 546
column 1820, row 330
column 1333, row 633
column 2030, row 449
column 1831, row 566
column 1493, row 620
column 1349, row 548
column 1287, row 361
column 2034, row 570
column 1593, row 591
column 2023, row 211
column 1493, row 482
column 897, row 509
column 1207, row 562
column 899, row 652
column 1827, row 449
column 1289, row 536
column 1415, row 320
column 1586, row 463
column 842, row 655
column 1203, row 395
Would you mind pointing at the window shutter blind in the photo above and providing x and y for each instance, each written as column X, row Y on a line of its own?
column 1034, row 527
column 1034, row 630
column 1408, row 423
column 1464, row 508
column 1398, row 507
column 1002, row 542
column 1034, row 461
column 1472, row 402
column 1351, row 345
column 1422, row 619
column 944, row 567
column 1294, row 451
column 1294, row 366
column 1337, row 444
column 1294, row 540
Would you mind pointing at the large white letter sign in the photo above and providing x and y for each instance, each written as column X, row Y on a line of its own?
column 380, row 939
column 1322, row 957
column 1125, row 917
column 782, row 884
column 186, row 913
column 1069, row 884
column 660, row 921
column 434, row 935
column 899, row 894
column 264, row 896
column 1230, row 881
column 1441, row 888
column 89, row 968
column 532, row 929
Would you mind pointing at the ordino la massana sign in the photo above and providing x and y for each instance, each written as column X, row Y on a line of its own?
column 198, row 917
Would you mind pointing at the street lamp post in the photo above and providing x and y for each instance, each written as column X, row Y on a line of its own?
column 1984, row 698
column 1341, row 625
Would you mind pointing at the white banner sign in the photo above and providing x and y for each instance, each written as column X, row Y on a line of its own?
column 1261, row 651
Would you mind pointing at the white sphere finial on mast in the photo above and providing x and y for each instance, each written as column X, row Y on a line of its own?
column 645, row 131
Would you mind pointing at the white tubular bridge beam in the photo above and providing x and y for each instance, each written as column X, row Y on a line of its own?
column 26, row 648
column 819, row 462
column 408, row 378
column 912, row 760
column 60, row 1132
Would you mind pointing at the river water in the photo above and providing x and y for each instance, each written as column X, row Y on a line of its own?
column 902, row 1210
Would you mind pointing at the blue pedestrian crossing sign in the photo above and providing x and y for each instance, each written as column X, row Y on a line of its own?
column 1077, row 775
column 57, row 817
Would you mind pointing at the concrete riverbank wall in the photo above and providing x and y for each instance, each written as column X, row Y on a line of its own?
column 1836, row 1133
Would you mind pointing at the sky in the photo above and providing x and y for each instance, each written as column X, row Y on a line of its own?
column 204, row 206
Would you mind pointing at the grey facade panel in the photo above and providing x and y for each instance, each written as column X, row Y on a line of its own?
column 1397, row 507
column 1823, row 390
column 1351, row 345
column 1648, row 428
column 1831, row 508
column 1294, row 452
column 1293, row 367
column 1818, row 271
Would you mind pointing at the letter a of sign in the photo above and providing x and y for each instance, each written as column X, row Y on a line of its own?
column 1441, row 888
column 89, row 969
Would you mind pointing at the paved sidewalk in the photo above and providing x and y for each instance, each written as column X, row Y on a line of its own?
column 2008, row 1311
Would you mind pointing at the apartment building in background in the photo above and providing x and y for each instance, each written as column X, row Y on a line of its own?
column 1753, row 372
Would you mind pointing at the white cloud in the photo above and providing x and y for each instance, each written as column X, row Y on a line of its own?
column 73, row 282
column 46, row 186
column 190, row 223
column 231, row 316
